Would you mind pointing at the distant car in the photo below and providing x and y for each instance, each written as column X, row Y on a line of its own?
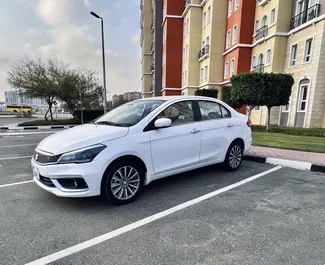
column 138, row 142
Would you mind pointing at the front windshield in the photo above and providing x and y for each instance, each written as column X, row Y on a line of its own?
column 130, row 113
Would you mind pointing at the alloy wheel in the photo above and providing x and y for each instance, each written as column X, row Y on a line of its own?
column 235, row 156
column 125, row 183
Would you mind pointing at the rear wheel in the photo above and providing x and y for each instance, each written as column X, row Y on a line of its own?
column 123, row 183
column 234, row 156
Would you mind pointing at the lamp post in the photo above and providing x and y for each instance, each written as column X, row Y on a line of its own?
column 103, row 55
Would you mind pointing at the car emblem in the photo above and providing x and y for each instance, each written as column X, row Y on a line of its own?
column 36, row 156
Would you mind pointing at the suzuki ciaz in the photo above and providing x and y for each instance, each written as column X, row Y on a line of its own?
column 118, row 154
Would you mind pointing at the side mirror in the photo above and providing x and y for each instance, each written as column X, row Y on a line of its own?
column 163, row 123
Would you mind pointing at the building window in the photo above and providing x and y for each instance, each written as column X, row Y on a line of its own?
column 163, row 81
column 256, row 26
column 209, row 14
column 183, row 54
column 185, row 81
column 230, row 8
column 164, row 34
column 204, row 19
column 232, row 67
column 308, row 48
column 206, row 73
column 237, row 4
column 187, row 25
column 184, row 29
column 164, row 59
column 272, row 19
column 268, row 57
column 226, row 70
column 201, row 75
column 228, row 39
column 234, row 34
column 293, row 57
column 253, row 62
column 302, row 103
column 186, row 52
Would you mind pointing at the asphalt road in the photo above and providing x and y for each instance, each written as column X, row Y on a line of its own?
column 277, row 218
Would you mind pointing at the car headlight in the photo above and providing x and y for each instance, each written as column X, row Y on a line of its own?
column 84, row 155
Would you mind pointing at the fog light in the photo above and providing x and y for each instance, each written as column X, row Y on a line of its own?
column 73, row 183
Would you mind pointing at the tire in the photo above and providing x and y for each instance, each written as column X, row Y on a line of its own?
column 117, row 186
column 234, row 156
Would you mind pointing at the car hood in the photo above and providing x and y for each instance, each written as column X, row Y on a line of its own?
column 80, row 137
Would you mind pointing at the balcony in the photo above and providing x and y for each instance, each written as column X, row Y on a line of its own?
column 141, row 36
column 187, row 2
column 305, row 16
column 258, row 68
column 204, row 53
column 261, row 33
column 152, row 68
column 152, row 47
column 141, row 18
column 152, row 25
column 262, row 2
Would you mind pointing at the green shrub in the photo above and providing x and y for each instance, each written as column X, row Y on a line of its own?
column 88, row 115
column 318, row 132
column 212, row 93
column 227, row 98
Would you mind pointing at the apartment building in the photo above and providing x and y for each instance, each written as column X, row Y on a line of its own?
column 151, row 43
column 271, row 27
column 172, row 28
column 305, row 60
column 204, row 23
column 289, row 36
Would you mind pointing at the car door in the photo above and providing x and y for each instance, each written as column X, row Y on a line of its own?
column 217, row 131
column 176, row 147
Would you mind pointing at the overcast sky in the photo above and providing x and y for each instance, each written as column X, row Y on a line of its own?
column 64, row 29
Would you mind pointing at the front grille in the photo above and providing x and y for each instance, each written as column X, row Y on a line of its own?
column 45, row 159
column 46, row 181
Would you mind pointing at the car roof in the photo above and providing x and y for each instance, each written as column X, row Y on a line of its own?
column 172, row 98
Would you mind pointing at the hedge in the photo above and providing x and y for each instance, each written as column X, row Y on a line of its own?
column 88, row 115
column 318, row 132
column 212, row 93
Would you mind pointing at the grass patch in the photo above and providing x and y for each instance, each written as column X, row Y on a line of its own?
column 317, row 132
column 49, row 122
column 291, row 142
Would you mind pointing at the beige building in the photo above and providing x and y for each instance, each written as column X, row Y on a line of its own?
column 272, row 23
column 203, row 44
column 292, row 44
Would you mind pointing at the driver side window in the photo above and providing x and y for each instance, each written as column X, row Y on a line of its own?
column 212, row 110
column 180, row 113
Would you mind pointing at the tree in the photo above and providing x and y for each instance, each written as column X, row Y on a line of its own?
column 262, row 89
column 227, row 98
column 37, row 79
column 79, row 89
column 212, row 92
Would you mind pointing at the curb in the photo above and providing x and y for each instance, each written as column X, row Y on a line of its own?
column 38, row 127
column 286, row 163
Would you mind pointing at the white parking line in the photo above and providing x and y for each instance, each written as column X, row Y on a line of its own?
column 89, row 243
column 24, row 133
column 14, row 157
column 17, row 145
column 16, row 183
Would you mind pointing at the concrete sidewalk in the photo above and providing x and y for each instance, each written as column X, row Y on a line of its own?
column 295, row 159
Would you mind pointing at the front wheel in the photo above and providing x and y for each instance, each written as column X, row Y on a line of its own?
column 234, row 156
column 122, row 184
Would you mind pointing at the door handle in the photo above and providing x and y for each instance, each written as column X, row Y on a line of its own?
column 195, row 131
column 229, row 125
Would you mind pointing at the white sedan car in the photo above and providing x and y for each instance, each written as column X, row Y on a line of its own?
column 141, row 141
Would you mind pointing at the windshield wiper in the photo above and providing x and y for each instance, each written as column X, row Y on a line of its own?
column 112, row 123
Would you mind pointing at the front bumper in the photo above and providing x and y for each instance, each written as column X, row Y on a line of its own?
column 91, row 173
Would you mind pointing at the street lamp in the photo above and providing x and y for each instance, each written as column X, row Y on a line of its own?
column 103, row 55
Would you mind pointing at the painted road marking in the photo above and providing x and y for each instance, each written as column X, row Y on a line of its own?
column 24, row 133
column 15, row 157
column 16, row 183
column 17, row 145
column 97, row 240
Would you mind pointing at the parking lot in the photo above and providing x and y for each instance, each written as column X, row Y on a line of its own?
column 261, row 214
